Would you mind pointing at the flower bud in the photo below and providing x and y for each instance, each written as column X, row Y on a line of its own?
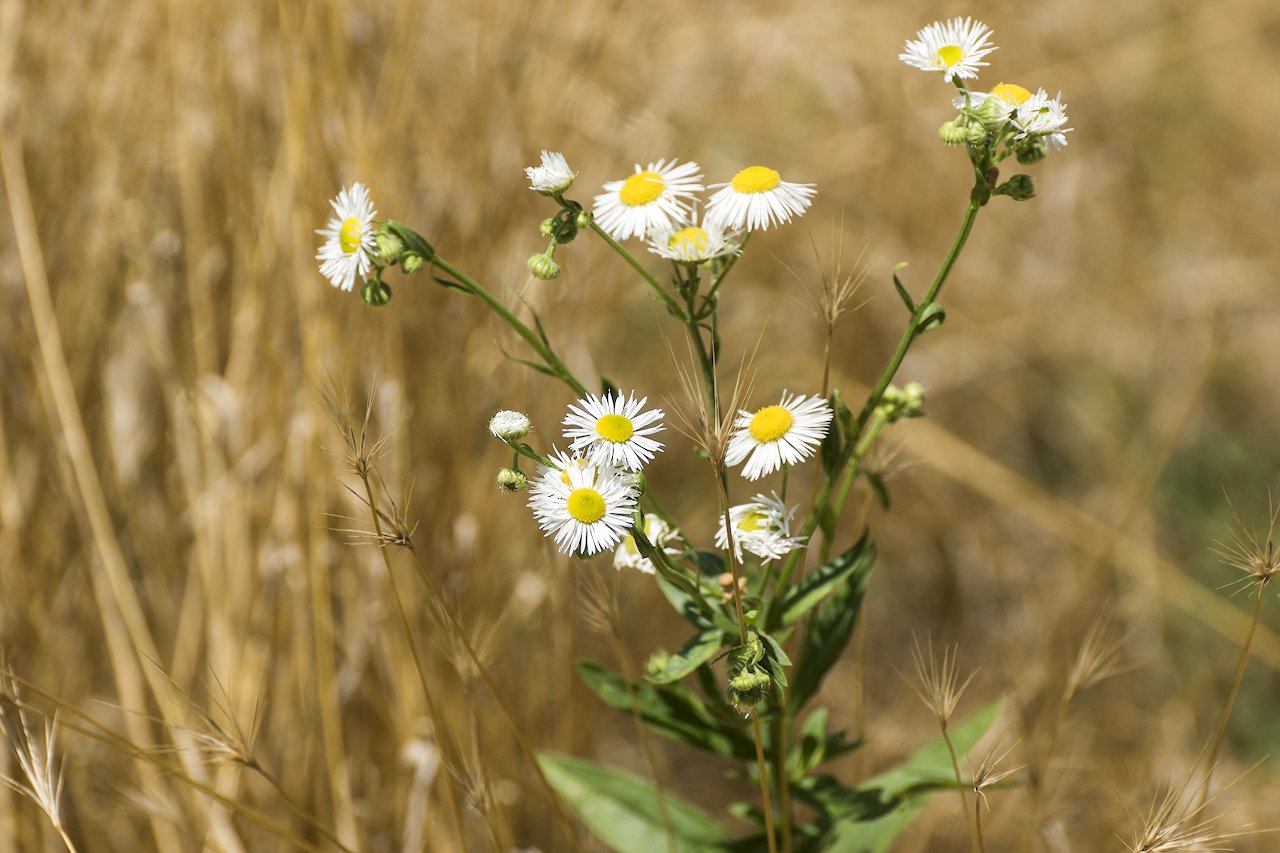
column 657, row 663
column 1030, row 152
column 509, row 426
column 511, row 480
column 954, row 133
column 547, row 227
column 375, row 292
column 411, row 263
column 389, row 245
column 583, row 220
column 544, row 266
column 1019, row 188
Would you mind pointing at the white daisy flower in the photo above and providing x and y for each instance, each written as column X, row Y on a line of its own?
column 1006, row 97
column 954, row 48
column 778, row 435
column 509, row 426
column 762, row 527
column 586, row 508
column 657, row 531
column 552, row 176
column 693, row 243
column 756, row 198
column 349, row 246
column 614, row 430
column 650, row 200
column 1042, row 117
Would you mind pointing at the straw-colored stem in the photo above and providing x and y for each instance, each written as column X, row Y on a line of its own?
column 964, row 801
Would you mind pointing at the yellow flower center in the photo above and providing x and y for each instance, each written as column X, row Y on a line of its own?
column 755, row 179
column 349, row 235
column 615, row 428
column 693, row 237
column 950, row 55
column 770, row 424
column 629, row 545
column 1011, row 93
column 752, row 521
column 641, row 189
column 586, row 506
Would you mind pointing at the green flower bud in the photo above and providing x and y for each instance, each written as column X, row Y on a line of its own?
column 389, row 245
column 411, row 263
column 913, row 400
column 543, row 266
column 583, row 220
column 748, row 689
column 657, row 663
column 547, row 227
column 511, row 480
column 1019, row 188
column 375, row 292
column 1029, row 152
column 954, row 133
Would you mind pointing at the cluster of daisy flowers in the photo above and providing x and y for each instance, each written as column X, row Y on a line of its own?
column 1033, row 121
column 587, row 500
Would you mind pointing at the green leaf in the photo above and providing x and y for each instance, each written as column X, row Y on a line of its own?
column 931, row 316
column 831, row 449
column 699, row 649
column 774, row 660
column 869, row 819
column 816, row 746
column 671, row 710
column 832, row 624
column 817, row 585
column 902, row 291
column 622, row 809
column 878, row 486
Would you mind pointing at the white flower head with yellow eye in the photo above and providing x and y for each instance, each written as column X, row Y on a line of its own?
column 1005, row 98
column 551, row 176
column 349, row 245
column 586, row 508
column 761, row 527
column 693, row 243
column 782, row 434
column 613, row 429
column 650, row 200
column 756, row 198
column 1044, row 118
column 955, row 48
column 658, row 532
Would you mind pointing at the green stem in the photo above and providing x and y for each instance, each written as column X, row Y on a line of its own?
column 658, row 289
column 543, row 349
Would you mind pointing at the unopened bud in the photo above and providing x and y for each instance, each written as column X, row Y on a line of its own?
column 583, row 220
column 1030, row 152
column 954, row 133
column 375, row 292
column 511, row 480
column 509, row 426
column 1019, row 188
column 544, row 266
column 547, row 227
column 389, row 245
column 411, row 263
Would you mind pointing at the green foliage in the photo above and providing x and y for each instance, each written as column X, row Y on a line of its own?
column 623, row 809
column 817, row 585
column 699, row 649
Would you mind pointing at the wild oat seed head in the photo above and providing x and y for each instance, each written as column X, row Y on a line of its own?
column 586, row 508
column 653, row 199
column 552, row 176
column 350, row 240
column 756, row 198
column 761, row 527
column 954, row 47
column 657, row 531
column 613, row 429
column 509, row 426
column 778, row 435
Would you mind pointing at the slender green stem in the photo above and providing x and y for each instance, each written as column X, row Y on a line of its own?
column 658, row 289
column 541, row 347
column 1220, row 732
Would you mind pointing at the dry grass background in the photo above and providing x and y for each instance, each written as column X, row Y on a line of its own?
column 171, row 488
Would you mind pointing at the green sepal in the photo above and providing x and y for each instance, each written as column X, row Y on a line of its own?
column 673, row 711
column 623, row 810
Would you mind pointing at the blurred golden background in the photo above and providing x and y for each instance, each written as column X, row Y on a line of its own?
column 174, row 554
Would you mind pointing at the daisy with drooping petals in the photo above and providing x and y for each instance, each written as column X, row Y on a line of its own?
column 1044, row 118
column 657, row 531
column 586, row 508
column 694, row 244
column 955, row 48
column 778, row 435
column 650, row 200
column 761, row 527
column 552, row 176
column 614, row 430
column 756, row 198
column 349, row 246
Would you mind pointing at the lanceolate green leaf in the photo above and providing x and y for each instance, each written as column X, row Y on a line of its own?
column 817, row 585
column 671, row 710
column 623, row 810
column 699, row 649
column 833, row 622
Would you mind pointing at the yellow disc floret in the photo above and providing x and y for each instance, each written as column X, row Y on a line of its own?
column 770, row 424
column 693, row 237
column 950, row 54
column 614, row 428
column 1011, row 93
column 752, row 521
column 349, row 235
column 641, row 188
column 586, row 505
column 755, row 179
